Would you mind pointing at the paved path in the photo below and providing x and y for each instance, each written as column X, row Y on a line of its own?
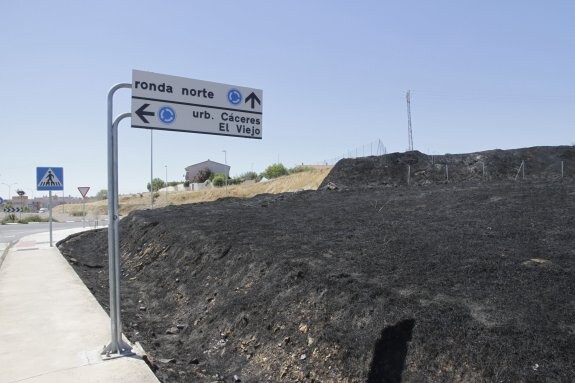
column 51, row 327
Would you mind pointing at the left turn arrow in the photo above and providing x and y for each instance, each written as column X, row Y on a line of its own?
column 141, row 112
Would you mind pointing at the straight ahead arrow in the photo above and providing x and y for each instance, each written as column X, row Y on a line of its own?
column 141, row 112
column 253, row 98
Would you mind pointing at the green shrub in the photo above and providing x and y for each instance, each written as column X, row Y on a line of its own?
column 299, row 169
column 36, row 218
column 248, row 176
column 274, row 171
column 156, row 183
column 102, row 194
column 219, row 180
column 234, row 181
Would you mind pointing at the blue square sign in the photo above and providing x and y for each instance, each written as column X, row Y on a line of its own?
column 50, row 178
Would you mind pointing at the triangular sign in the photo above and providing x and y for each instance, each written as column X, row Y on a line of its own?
column 50, row 179
column 83, row 190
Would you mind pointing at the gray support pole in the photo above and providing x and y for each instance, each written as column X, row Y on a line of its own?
column 116, row 346
column 151, row 168
column 166, row 166
column 561, row 169
column 447, row 172
column 121, row 346
column 50, row 214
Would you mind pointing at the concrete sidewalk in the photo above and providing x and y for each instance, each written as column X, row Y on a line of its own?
column 51, row 327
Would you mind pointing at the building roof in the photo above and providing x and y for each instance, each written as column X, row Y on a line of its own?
column 206, row 164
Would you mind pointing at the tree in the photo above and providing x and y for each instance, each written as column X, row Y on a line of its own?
column 157, row 184
column 274, row 171
column 102, row 194
column 203, row 175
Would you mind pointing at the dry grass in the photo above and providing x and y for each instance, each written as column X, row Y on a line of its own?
column 309, row 180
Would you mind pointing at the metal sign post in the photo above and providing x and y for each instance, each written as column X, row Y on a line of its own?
column 50, row 214
column 84, row 191
column 48, row 179
column 170, row 103
column 117, row 345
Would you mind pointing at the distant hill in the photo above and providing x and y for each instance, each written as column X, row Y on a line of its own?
column 539, row 163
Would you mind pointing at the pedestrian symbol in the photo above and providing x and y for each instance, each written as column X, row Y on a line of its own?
column 50, row 178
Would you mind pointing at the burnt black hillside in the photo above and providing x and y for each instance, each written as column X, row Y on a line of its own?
column 470, row 280
column 397, row 169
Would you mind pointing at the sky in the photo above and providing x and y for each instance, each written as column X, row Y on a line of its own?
column 482, row 75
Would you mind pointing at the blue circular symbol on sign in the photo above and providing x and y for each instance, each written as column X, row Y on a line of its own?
column 167, row 115
column 234, row 96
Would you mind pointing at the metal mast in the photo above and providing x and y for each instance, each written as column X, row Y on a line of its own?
column 409, row 133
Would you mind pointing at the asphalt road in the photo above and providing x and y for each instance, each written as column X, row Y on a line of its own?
column 12, row 233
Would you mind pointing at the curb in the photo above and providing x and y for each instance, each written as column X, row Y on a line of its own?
column 3, row 255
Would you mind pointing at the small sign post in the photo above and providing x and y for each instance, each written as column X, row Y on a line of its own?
column 84, row 191
column 50, row 179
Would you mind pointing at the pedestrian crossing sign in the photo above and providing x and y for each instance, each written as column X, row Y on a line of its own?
column 50, row 178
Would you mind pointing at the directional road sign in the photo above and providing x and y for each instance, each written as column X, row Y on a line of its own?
column 13, row 209
column 50, row 178
column 1, row 200
column 176, row 103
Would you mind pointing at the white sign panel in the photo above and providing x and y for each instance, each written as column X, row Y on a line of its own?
column 176, row 103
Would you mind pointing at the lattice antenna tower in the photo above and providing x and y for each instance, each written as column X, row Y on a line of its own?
column 409, row 132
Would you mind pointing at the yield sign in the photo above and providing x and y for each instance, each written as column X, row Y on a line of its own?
column 83, row 190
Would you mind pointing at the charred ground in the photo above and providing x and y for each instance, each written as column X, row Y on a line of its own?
column 465, row 282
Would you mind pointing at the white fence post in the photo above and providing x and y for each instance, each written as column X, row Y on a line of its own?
column 521, row 167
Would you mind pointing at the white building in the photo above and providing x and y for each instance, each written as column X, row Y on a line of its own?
column 215, row 167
